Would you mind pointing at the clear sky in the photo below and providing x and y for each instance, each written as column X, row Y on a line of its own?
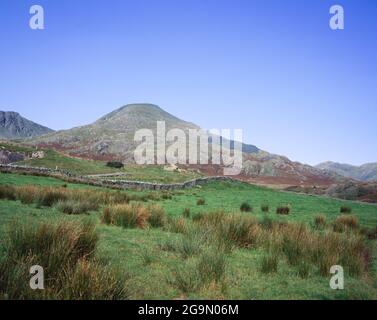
column 271, row 67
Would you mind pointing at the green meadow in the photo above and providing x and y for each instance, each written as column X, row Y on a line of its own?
column 205, row 249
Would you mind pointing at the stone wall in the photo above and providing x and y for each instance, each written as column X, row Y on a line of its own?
column 114, row 184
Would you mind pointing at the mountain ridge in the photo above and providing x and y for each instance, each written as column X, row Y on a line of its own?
column 364, row 172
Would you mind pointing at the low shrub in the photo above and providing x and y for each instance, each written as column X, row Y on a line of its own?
column 246, row 207
column 283, row 210
column 345, row 209
column 201, row 202
column 115, row 164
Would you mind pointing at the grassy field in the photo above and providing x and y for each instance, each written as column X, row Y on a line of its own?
column 167, row 262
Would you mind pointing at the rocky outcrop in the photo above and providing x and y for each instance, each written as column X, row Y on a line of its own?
column 7, row 157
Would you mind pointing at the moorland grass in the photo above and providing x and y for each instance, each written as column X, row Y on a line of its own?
column 304, row 267
column 66, row 253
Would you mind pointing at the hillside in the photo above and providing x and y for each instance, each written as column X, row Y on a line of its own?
column 14, row 126
column 111, row 137
column 365, row 172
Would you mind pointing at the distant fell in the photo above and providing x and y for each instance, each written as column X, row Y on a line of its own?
column 14, row 126
column 112, row 136
column 365, row 172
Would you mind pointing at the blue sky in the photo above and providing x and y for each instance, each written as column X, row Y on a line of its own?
column 271, row 67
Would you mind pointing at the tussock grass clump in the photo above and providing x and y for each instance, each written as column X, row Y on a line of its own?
column 176, row 225
column 345, row 209
column 7, row 192
column 345, row 223
column 52, row 245
column 269, row 263
column 187, row 246
column 240, row 231
column 283, row 210
column 320, row 222
column 265, row 208
column 292, row 242
column 107, row 217
column 230, row 229
column 211, row 266
column 246, row 207
column 134, row 215
column 185, row 278
column 75, row 207
column 91, row 280
column 201, row 202
column 157, row 216
column 66, row 253
column 298, row 243
column 126, row 215
column 325, row 250
column 50, row 196
column 28, row 194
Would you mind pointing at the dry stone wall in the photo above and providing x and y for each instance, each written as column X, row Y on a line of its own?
column 115, row 184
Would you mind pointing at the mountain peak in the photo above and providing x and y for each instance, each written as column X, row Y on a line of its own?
column 131, row 108
column 14, row 126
